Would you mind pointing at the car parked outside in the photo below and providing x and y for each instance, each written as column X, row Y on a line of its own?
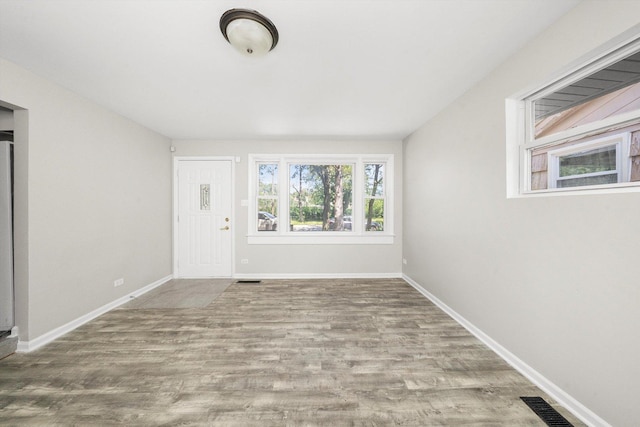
column 347, row 223
column 267, row 221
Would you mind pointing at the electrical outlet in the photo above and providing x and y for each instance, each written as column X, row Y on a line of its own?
column 118, row 282
column 244, row 261
column 404, row 261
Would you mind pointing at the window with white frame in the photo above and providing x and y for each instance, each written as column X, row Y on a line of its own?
column 597, row 162
column 580, row 131
column 320, row 199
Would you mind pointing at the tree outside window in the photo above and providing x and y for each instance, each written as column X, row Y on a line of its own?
column 374, row 196
column 267, row 197
column 320, row 197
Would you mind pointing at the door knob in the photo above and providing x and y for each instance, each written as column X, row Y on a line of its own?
column 225, row 228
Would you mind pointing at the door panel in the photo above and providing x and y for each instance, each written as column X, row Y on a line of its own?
column 204, row 218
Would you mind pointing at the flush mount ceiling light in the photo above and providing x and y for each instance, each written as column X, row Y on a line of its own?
column 248, row 31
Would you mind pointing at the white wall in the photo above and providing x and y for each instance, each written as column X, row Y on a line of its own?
column 6, row 119
column 303, row 260
column 553, row 279
column 93, row 203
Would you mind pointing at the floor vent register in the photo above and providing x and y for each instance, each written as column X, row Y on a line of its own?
column 546, row 413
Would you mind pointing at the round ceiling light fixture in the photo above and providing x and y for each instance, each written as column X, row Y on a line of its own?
column 250, row 32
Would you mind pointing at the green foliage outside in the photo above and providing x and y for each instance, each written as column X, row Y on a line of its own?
column 377, row 210
column 322, row 195
column 315, row 193
column 579, row 170
column 598, row 160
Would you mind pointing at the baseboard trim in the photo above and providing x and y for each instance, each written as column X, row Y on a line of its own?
column 31, row 345
column 578, row 409
column 319, row 276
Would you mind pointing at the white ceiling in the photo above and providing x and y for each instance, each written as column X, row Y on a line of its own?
column 342, row 68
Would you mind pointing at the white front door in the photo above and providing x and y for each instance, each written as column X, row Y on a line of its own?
column 204, row 218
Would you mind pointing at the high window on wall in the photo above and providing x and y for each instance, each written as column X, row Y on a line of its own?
column 581, row 131
column 321, row 199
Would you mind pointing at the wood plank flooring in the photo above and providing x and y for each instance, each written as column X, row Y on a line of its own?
column 278, row 353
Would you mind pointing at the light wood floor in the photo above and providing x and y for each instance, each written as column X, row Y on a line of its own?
column 279, row 353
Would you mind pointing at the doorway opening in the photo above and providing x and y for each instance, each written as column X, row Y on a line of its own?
column 7, row 300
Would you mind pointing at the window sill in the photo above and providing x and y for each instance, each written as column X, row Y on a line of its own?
column 626, row 187
column 317, row 239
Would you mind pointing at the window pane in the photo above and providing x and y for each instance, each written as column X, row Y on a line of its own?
column 604, row 94
column 373, row 175
column 590, row 180
column 267, row 214
column 374, row 214
column 591, row 161
column 320, row 197
column 268, row 179
column 205, row 197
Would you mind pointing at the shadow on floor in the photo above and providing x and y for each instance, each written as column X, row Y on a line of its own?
column 181, row 293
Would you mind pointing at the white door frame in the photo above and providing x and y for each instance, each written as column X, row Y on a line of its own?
column 7, row 291
column 176, row 164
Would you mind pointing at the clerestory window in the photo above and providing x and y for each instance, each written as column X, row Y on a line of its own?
column 580, row 131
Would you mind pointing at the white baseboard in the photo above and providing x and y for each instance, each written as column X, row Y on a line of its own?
column 27, row 346
column 318, row 276
column 563, row 398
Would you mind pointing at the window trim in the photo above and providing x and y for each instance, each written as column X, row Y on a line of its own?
column 520, row 122
column 356, row 236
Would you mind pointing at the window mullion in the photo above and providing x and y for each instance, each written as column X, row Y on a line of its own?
column 283, row 196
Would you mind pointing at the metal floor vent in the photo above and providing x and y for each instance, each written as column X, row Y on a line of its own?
column 248, row 281
column 546, row 413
